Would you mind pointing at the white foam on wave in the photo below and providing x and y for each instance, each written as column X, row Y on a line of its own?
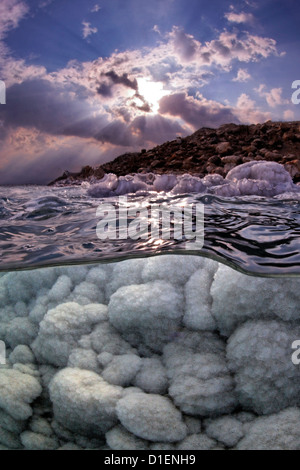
column 258, row 178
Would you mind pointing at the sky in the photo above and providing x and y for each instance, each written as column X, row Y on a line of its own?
column 88, row 80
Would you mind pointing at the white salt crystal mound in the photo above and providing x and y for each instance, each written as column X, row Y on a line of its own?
column 37, row 441
column 188, row 184
column 198, row 300
column 146, row 313
column 118, row 438
column 261, row 178
column 258, row 178
column 152, row 376
column 227, row 430
column 111, row 185
column 83, row 402
column 197, row 442
column 122, row 369
column 164, row 183
column 61, row 329
column 151, row 417
column 171, row 268
column 238, row 297
column 200, row 381
column 130, row 184
column 259, row 355
column 18, row 391
column 106, row 186
column 276, row 432
column 152, row 340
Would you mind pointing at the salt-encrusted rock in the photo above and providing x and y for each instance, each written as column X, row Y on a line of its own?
column 146, row 313
column 238, row 297
column 83, row 402
column 122, row 369
column 61, row 329
column 151, row 417
column 198, row 302
column 30, row 369
column 276, row 432
column 21, row 331
column 196, row 442
column 86, row 293
column 69, row 446
column 11, row 424
column 61, row 289
column 118, row 438
column 18, row 391
column 152, row 376
column 174, row 269
column 106, row 339
column 188, row 184
column 9, row 439
column 35, row 441
column 259, row 354
column 40, row 425
column 22, row 354
column 162, row 446
column 193, row 424
column 126, row 273
column 227, row 430
column 200, row 382
column 84, row 359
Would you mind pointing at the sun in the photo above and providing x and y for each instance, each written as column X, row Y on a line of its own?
column 152, row 92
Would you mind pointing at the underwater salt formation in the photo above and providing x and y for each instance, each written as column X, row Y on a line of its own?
column 169, row 352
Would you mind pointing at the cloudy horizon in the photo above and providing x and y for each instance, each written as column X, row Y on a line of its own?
column 88, row 81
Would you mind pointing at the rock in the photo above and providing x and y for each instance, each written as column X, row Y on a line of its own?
column 206, row 151
column 151, row 417
column 223, row 148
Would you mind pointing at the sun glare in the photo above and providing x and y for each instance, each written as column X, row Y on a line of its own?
column 152, row 92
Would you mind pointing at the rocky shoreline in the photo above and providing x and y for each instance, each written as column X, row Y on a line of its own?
column 207, row 151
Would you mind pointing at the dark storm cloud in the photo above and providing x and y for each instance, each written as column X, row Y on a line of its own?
column 50, row 109
column 122, row 80
column 196, row 112
column 145, row 107
column 105, row 89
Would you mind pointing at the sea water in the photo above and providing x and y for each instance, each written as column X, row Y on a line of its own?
column 147, row 344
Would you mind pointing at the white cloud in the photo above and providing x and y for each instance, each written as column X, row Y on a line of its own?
column 88, row 30
column 248, row 112
column 156, row 29
column 242, row 76
column 289, row 115
column 95, row 8
column 45, row 3
column 11, row 13
column 239, row 17
column 273, row 97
